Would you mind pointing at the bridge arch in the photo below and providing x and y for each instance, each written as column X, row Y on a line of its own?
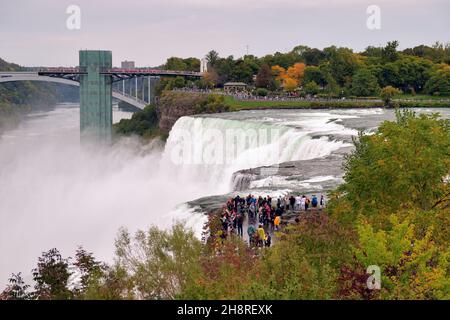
column 34, row 76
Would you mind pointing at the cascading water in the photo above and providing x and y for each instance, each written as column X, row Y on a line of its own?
column 209, row 150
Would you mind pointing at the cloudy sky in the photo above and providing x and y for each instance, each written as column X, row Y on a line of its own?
column 34, row 32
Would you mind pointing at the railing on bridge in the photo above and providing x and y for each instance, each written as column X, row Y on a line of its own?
column 59, row 70
column 122, row 71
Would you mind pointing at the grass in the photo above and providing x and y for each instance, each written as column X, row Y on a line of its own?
column 420, row 97
column 236, row 105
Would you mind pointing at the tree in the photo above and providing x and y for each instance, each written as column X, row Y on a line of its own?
column 243, row 70
column 413, row 73
column 387, row 93
column 342, row 63
column 89, row 270
column 264, row 78
column 278, row 72
column 296, row 72
column 312, row 88
column 210, row 79
column 313, row 57
column 262, row 92
column 17, row 289
column 290, row 84
column 389, row 52
column 175, row 63
column 411, row 267
column 226, row 271
column 51, row 276
column 388, row 75
column 313, row 73
column 159, row 263
column 439, row 81
column 303, row 262
column 372, row 51
column 364, row 84
column 403, row 166
column 212, row 58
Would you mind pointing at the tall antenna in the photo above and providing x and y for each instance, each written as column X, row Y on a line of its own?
column 247, row 48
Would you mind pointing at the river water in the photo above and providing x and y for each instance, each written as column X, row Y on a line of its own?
column 55, row 193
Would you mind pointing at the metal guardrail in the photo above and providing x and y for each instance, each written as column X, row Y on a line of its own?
column 112, row 71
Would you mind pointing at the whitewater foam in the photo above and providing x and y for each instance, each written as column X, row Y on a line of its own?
column 194, row 137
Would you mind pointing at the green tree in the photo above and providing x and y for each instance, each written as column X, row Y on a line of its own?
column 389, row 52
column 142, row 123
column 51, row 276
column 175, row 63
column 364, row 84
column 262, row 92
column 159, row 263
column 313, row 73
column 342, row 63
column 404, row 166
column 89, row 270
column 439, row 82
column 312, row 88
column 413, row 73
column 212, row 58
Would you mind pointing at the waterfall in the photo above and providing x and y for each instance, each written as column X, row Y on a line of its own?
column 209, row 150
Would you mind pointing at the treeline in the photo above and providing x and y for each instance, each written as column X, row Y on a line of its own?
column 333, row 71
column 390, row 214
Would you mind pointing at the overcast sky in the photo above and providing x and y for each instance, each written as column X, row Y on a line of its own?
column 34, row 33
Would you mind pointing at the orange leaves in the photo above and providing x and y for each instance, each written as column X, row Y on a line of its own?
column 290, row 84
column 278, row 72
column 297, row 71
column 290, row 78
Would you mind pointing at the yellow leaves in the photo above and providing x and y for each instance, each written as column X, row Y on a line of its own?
column 290, row 84
column 415, row 267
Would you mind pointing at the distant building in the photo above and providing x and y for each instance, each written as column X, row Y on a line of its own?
column 127, row 64
column 234, row 86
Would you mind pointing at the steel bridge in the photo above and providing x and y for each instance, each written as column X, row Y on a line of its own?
column 99, row 83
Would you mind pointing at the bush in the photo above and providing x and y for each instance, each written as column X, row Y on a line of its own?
column 212, row 103
column 312, row 88
column 387, row 93
column 262, row 92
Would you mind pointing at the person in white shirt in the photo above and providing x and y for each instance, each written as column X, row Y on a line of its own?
column 298, row 201
column 303, row 203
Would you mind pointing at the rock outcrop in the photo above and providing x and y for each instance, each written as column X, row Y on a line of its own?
column 174, row 105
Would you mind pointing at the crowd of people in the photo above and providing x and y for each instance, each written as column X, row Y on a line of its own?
column 263, row 214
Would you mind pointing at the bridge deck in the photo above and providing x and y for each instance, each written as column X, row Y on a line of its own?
column 118, row 72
